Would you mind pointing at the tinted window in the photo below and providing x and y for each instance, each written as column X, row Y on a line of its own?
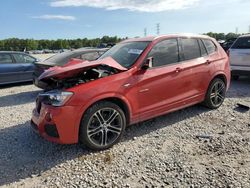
column 210, row 46
column 5, row 58
column 165, row 52
column 191, row 49
column 242, row 43
column 203, row 49
column 127, row 53
column 21, row 58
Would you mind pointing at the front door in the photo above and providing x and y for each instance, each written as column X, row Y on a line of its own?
column 160, row 87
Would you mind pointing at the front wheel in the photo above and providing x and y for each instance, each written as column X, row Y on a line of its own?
column 216, row 94
column 102, row 126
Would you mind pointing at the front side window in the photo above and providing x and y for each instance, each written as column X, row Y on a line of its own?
column 242, row 43
column 5, row 58
column 191, row 49
column 165, row 52
column 210, row 46
column 127, row 53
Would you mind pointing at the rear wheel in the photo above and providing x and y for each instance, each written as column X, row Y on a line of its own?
column 216, row 94
column 102, row 126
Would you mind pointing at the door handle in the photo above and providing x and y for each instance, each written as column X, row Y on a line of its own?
column 208, row 62
column 177, row 70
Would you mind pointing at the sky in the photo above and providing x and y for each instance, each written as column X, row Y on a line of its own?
column 71, row 19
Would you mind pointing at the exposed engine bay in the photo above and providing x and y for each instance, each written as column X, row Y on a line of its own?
column 83, row 77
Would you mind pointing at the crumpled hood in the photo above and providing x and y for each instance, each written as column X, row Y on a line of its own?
column 76, row 66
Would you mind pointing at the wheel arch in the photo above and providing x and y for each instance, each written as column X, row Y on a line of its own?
column 121, row 101
column 221, row 76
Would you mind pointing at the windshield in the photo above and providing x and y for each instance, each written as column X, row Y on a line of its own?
column 126, row 54
column 242, row 43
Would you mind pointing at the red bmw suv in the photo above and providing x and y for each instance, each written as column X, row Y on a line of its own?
column 138, row 79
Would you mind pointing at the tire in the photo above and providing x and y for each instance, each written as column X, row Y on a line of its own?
column 102, row 126
column 235, row 77
column 215, row 94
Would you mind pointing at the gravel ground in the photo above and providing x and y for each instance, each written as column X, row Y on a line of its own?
column 163, row 152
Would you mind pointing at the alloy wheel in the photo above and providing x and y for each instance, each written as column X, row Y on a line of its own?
column 217, row 95
column 104, row 127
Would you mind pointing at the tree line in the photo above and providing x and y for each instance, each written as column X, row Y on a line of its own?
column 15, row 44
column 222, row 36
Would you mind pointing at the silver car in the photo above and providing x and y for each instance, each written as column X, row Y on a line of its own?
column 239, row 55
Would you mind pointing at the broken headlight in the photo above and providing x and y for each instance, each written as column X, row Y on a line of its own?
column 56, row 98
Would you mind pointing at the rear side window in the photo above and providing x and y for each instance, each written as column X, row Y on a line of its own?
column 210, row 46
column 5, row 58
column 191, row 48
column 242, row 43
column 165, row 52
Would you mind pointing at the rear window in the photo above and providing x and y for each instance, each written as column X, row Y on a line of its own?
column 210, row 46
column 191, row 48
column 242, row 43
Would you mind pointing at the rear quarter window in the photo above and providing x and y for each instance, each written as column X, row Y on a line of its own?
column 242, row 43
column 210, row 46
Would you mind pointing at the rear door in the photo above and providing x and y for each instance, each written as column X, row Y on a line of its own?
column 9, row 70
column 196, row 68
column 26, row 63
column 240, row 52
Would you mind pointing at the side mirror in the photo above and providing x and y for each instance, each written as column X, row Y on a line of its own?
column 148, row 64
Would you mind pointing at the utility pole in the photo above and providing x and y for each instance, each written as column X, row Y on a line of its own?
column 236, row 30
column 158, row 28
column 145, row 32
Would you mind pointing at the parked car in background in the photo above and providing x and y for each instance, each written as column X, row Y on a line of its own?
column 16, row 67
column 228, row 43
column 138, row 79
column 239, row 55
column 61, row 59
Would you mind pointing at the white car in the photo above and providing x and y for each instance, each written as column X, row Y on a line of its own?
column 239, row 56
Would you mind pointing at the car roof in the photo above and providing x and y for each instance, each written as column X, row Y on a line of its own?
column 242, row 36
column 152, row 38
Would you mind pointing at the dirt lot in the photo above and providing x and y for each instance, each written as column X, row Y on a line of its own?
column 164, row 152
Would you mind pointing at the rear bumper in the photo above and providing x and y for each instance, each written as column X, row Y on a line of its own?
column 57, row 124
column 240, row 70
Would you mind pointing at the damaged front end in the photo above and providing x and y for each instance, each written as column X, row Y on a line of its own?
column 78, row 72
